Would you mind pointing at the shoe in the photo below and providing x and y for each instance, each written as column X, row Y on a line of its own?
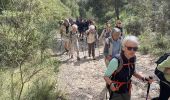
column 94, row 58
column 71, row 56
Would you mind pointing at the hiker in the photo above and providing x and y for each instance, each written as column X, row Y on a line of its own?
column 105, row 33
column 66, row 29
column 112, row 45
column 163, row 70
column 91, row 39
column 80, row 28
column 119, row 25
column 74, row 44
column 71, row 21
column 120, row 70
column 62, row 28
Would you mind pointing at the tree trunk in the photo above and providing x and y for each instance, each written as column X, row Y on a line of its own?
column 22, row 82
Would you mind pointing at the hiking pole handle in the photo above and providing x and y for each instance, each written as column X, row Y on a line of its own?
column 150, row 77
column 147, row 79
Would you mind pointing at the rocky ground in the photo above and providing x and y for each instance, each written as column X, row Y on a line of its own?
column 83, row 80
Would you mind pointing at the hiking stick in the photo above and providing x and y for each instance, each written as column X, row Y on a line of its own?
column 148, row 88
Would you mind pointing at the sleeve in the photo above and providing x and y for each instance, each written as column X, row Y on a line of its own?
column 111, row 67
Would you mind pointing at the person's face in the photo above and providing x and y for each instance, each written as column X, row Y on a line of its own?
column 115, row 35
column 119, row 24
column 92, row 30
column 130, row 49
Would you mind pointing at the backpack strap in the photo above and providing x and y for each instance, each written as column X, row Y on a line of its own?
column 120, row 63
column 162, row 58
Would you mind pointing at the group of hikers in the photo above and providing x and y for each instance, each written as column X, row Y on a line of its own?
column 119, row 56
column 78, row 31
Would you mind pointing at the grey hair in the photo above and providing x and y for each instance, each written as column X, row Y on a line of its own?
column 91, row 27
column 116, row 30
column 130, row 38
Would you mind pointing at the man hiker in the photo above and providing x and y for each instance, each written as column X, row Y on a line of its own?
column 91, row 39
column 112, row 45
column 105, row 33
column 119, row 26
column 121, row 69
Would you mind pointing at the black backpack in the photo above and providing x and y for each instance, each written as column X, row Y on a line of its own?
column 159, row 73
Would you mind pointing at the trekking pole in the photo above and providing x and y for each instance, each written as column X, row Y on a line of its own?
column 148, row 87
column 106, row 94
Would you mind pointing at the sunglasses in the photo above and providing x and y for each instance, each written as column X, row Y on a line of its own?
column 132, row 48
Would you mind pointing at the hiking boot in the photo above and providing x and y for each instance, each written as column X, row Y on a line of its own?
column 78, row 58
column 94, row 58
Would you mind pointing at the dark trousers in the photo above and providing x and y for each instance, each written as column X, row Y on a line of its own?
column 91, row 49
column 116, row 96
column 164, row 91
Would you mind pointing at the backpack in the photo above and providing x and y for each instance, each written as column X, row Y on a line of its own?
column 159, row 73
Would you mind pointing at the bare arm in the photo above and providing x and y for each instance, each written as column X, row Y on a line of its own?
column 142, row 78
column 107, row 79
column 138, row 76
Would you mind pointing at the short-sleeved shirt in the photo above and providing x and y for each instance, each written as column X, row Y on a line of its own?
column 113, row 65
column 114, row 48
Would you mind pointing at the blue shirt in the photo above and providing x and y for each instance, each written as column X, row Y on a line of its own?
column 116, row 47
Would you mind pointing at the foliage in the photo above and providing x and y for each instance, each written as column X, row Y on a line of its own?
column 26, row 33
